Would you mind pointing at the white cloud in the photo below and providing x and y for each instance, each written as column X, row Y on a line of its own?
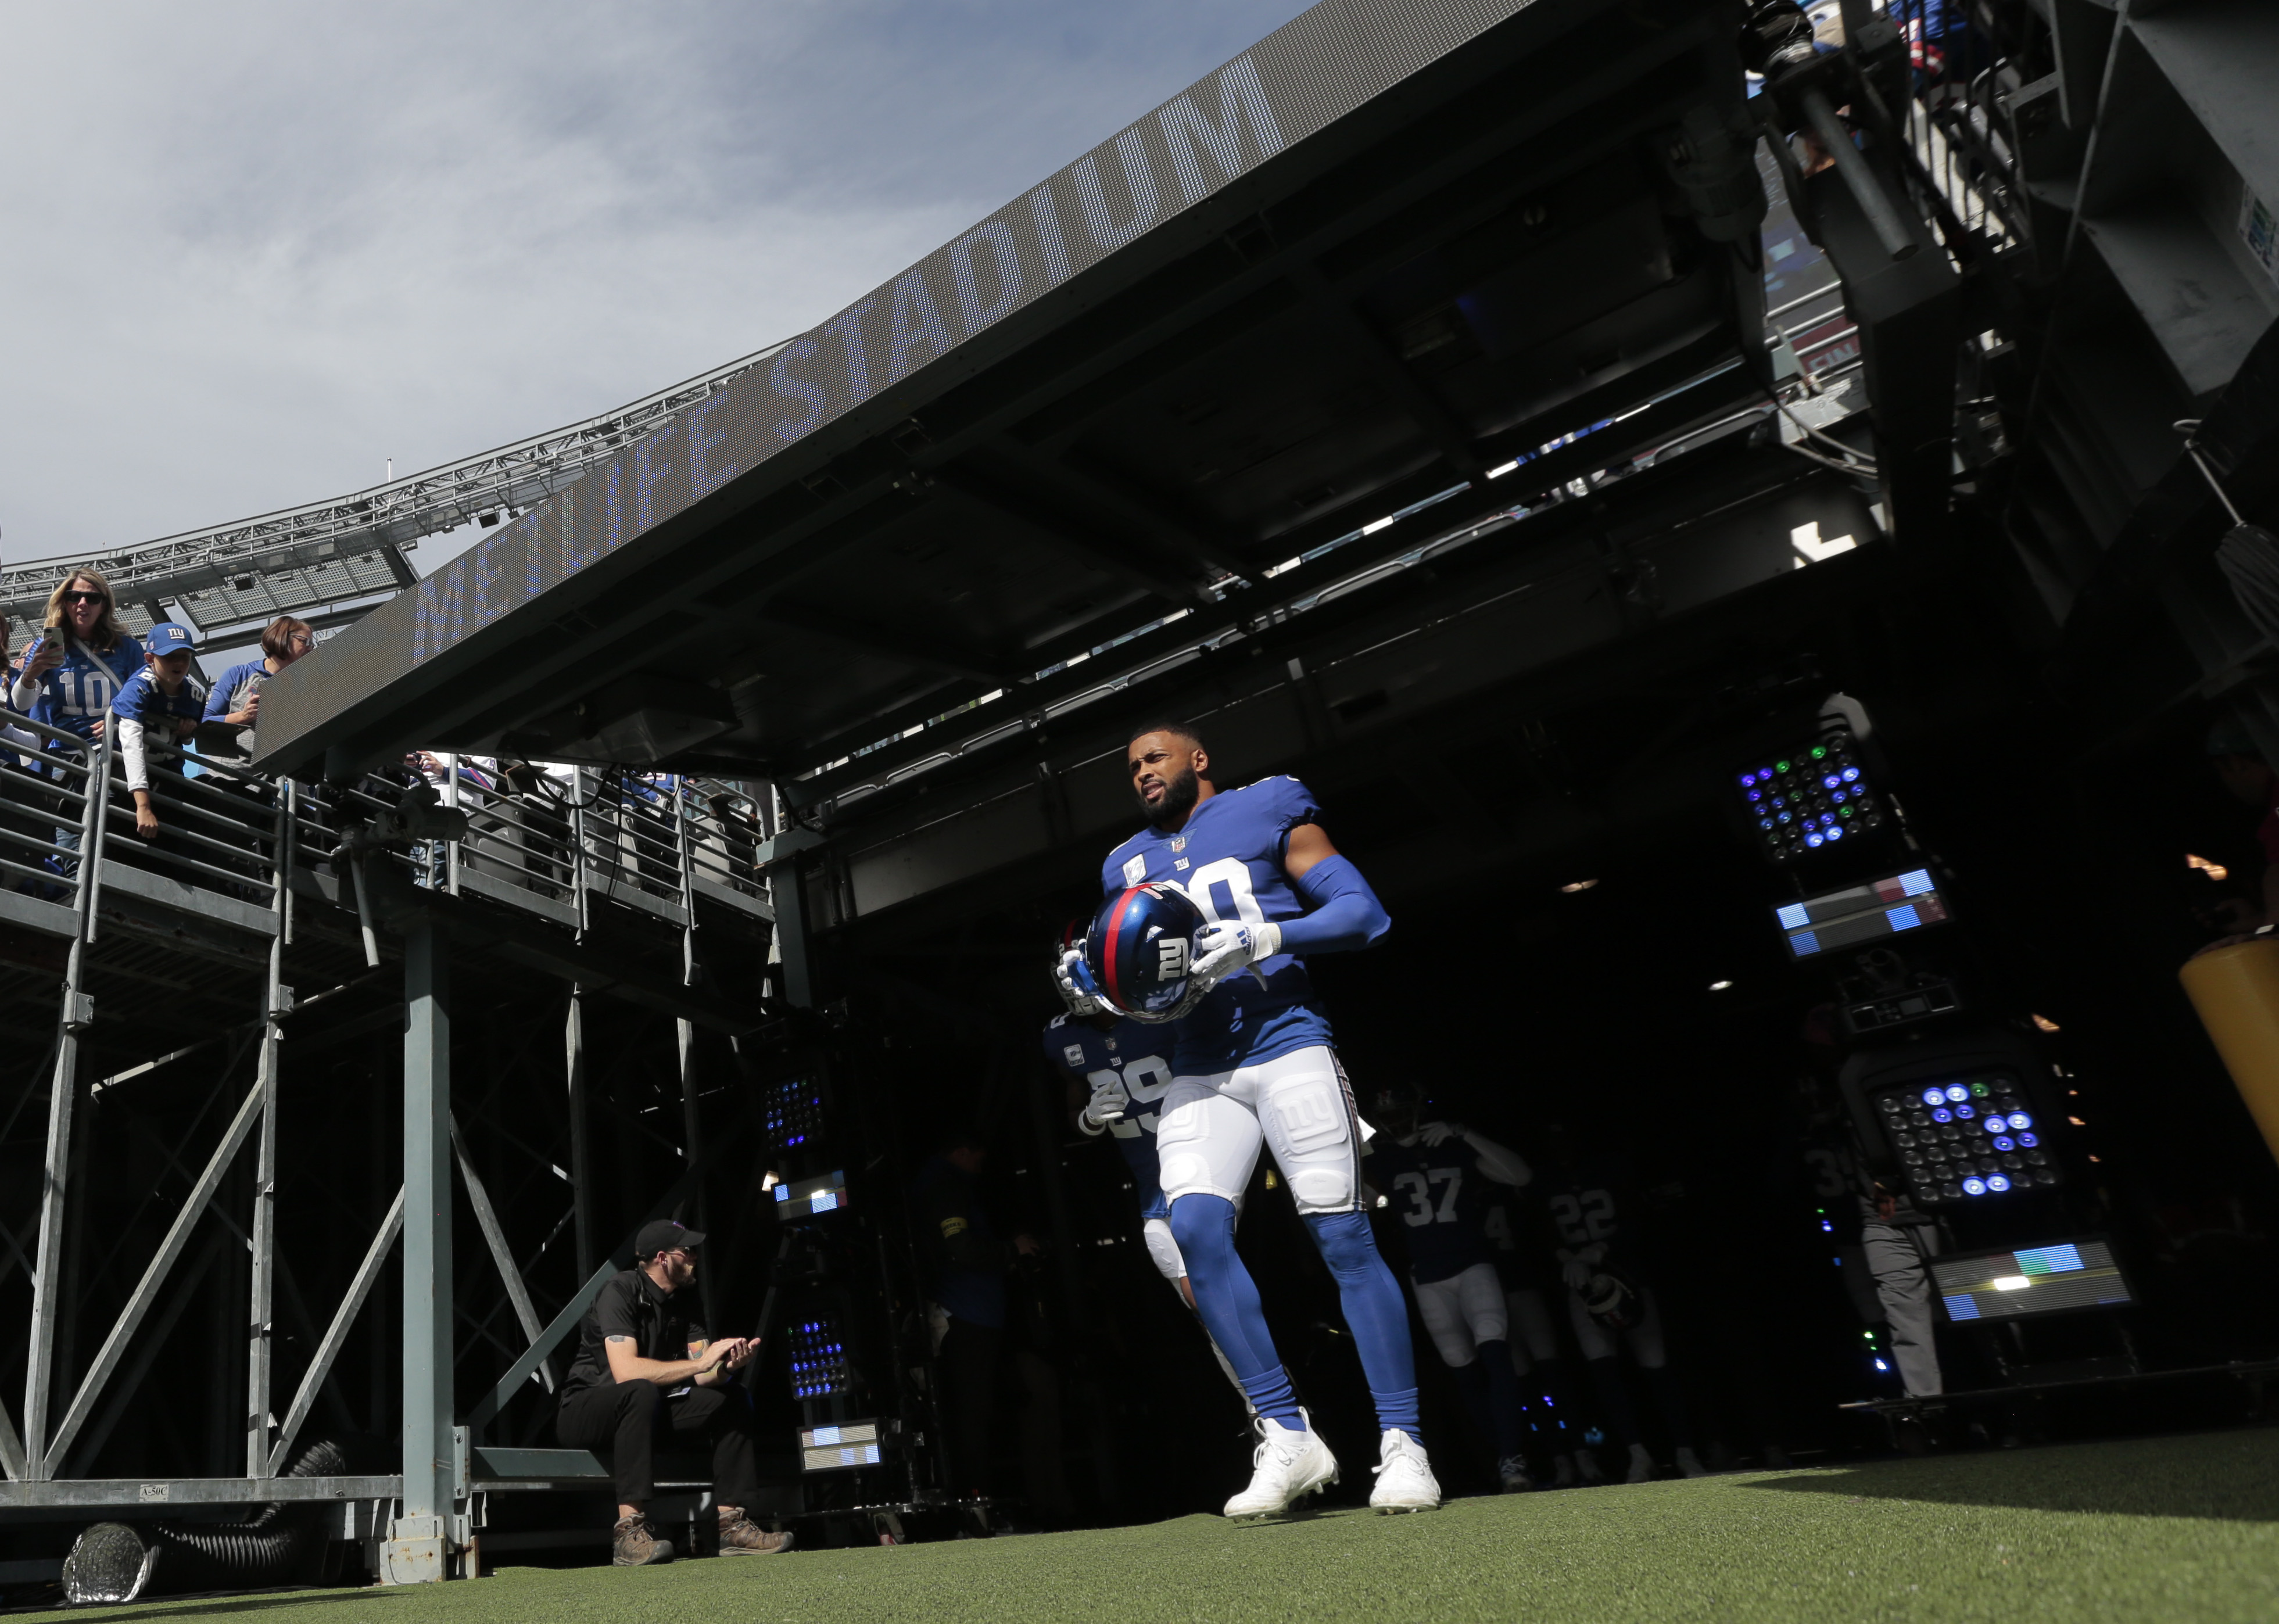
column 253, row 248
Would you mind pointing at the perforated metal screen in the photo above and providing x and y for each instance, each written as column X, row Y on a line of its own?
column 1318, row 68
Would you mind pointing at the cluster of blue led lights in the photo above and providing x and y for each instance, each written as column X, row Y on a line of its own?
column 1952, row 1104
column 818, row 1378
column 1810, row 799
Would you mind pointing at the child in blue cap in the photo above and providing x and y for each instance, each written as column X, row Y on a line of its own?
column 160, row 699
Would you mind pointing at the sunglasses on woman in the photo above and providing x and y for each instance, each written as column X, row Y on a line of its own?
column 85, row 597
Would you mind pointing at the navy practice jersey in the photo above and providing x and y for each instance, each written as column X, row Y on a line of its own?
column 1440, row 1198
column 1138, row 1056
column 1509, row 1223
column 1590, row 1204
column 1228, row 859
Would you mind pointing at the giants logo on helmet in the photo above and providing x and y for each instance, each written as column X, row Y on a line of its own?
column 1139, row 950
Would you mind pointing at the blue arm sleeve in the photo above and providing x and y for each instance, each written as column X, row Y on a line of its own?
column 1345, row 917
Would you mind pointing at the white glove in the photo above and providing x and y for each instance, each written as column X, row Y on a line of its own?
column 1440, row 1133
column 1582, row 1264
column 1222, row 949
column 1107, row 1104
column 1079, row 1002
column 1576, row 1274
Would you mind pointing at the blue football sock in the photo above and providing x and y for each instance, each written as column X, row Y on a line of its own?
column 1227, row 1300
column 1375, row 1314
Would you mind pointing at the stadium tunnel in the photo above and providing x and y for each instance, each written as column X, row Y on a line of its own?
column 1408, row 419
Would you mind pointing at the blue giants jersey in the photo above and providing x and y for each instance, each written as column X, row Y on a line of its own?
column 144, row 700
column 75, row 695
column 1139, row 1056
column 1229, row 859
column 1440, row 1199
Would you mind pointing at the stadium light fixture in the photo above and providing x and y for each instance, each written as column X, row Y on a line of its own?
column 1720, row 987
column 1572, row 886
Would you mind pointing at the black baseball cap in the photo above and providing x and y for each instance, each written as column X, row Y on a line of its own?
column 664, row 1235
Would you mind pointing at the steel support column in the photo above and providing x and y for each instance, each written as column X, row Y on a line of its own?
column 581, row 1167
column 276, row 999
column 48, row 1287
column 418, row 1540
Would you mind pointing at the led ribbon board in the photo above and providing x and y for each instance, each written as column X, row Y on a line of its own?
column 2005, row 1286
column 906, row 340
column 835, row 1449
column 1809, row 799
column 1861, row 914
column 1966, row 1138
column 807, row 1197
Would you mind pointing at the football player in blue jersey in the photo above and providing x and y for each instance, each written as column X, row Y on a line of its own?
column 1122, row 1069
column 1438, row 1178
column 1252, row 1068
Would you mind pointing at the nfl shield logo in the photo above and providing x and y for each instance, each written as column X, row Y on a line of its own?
column 1179, row 843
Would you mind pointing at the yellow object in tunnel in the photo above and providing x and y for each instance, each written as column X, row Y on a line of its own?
column 2235, row 992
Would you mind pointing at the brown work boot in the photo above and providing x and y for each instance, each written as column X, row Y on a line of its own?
column 740, row 1536
column 633, row 1546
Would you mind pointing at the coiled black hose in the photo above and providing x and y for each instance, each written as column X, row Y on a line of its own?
column 116, row 1562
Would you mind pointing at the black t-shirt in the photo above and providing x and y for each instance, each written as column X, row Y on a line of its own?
column 630, row 1306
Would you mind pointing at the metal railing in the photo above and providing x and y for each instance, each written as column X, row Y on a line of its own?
column 239, row 851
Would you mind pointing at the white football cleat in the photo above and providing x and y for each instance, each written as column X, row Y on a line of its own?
column 1641, row 1465
column 1291, row 1463
column 1689, row 1465
column 1512, row 1469
column 1404, row 1477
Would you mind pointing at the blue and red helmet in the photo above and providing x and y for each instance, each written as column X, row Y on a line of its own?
column 1138, row 949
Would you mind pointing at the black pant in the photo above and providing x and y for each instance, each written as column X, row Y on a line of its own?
column 625, row 1423
column 968, row 1362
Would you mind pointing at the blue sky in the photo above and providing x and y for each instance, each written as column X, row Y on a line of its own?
column 253, row 250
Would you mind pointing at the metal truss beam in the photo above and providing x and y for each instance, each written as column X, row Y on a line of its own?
column 349, row 547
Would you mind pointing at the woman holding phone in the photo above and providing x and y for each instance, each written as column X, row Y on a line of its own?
column 75, row 669
column 83, row 657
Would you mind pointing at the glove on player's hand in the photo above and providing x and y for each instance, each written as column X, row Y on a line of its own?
column 1440, row 1133
column 1578, row 1274
column 1107, row 1104
column 1222, row 949
column 1079, row 1002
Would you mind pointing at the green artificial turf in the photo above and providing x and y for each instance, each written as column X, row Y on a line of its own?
column 2180, row 1529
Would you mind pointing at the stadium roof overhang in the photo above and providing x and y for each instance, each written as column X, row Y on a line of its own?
column 1361, row 270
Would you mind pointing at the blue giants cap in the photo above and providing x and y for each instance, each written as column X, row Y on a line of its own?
column 170, row 637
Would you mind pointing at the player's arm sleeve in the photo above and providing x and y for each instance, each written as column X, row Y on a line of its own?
column 1345, row 915
column 132, row 751
column 1499, row 1162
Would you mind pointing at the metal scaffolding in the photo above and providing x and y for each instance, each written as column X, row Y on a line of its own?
column 603, row 881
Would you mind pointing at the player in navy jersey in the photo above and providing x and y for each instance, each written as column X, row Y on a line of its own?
column 1252, row 1068
column 1120, row 1069
column 1593, row 1209
column 1437, row 1178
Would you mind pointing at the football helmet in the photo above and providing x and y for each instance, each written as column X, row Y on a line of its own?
column 1612, row 1300
column 1139, row 950
column 1399, row 1108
